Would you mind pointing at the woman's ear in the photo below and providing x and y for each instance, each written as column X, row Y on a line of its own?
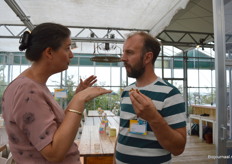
column 48, row 53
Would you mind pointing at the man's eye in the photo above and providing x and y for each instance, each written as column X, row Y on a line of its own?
column 127, row 52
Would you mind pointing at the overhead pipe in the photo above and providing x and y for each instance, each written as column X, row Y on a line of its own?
column 19, row 12
column 101, row 40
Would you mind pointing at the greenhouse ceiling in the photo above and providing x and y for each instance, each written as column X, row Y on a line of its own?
column 180, row 23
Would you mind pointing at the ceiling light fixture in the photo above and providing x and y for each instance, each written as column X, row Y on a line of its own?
column 106, row 59
column 202, row 40
column 107, row 52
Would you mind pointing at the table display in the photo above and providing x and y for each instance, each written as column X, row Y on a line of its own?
column 98, row 147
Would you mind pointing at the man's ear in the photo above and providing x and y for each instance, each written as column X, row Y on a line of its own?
column 148, row 57
column 48, row 53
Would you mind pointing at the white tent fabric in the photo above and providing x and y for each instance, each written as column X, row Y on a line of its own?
column 191, row 25
column 149, row 15
column 129, row 14
column 165, row 20
column 154, row 16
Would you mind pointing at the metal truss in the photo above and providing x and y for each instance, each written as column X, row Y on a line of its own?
column 109, row 33
column 10, row 34
column 167, row 37
column 186, row 38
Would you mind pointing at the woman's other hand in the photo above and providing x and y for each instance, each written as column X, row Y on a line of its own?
column 86, row 83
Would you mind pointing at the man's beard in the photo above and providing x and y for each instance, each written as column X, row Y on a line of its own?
column 137, row 70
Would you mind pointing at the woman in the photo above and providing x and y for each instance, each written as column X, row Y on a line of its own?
column 39, row 131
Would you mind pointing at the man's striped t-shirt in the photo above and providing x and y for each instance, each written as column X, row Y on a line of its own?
column 145, row 149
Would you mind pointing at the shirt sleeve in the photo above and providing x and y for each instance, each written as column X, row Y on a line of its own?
column 174, row 109
column 34, row 116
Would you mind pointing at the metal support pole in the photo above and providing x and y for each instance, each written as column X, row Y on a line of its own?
column 221, row 119
column 185, row 85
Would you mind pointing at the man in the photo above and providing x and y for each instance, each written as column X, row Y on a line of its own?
column 152, row 117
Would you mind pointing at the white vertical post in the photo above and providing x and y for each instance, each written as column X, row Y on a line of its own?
column 221, row 119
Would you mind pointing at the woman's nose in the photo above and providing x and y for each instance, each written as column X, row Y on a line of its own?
column 71, row 54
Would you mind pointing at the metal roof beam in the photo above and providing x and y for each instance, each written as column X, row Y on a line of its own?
column 184, row 44
column 101, row 40
column 76, row 36
column 19, row 12
column 186, row 38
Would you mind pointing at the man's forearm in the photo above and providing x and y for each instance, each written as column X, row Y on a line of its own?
column 173, row 140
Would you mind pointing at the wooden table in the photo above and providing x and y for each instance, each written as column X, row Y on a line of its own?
column 204, row 109
column 95, row 147
column 94, row 113
column 95, row 121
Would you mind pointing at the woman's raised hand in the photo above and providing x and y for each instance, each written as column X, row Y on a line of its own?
column 86, row 83
column 92, row 92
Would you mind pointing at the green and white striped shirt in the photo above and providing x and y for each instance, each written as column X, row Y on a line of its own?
column 139, row 149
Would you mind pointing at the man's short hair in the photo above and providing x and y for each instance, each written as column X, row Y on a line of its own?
column 151, row 44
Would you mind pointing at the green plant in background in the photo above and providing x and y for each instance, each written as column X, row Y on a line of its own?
column 106, row 102
column 70, row 87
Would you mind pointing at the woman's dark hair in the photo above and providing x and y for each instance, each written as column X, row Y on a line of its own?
column 43, row 36
column 151, row 44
